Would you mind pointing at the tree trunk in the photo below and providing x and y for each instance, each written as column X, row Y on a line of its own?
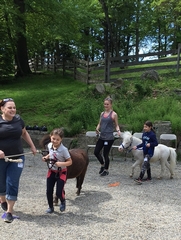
column 108, row 26
column 21, row 55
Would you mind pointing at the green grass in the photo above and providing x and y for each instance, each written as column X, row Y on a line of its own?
column 44, row 99
column 53, row 101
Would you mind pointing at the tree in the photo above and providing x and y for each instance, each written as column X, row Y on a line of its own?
column 21, row 55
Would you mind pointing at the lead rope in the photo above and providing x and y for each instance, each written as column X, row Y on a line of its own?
column 57, row 175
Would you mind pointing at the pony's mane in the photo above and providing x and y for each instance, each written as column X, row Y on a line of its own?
column 127, row 133
column 44, row 141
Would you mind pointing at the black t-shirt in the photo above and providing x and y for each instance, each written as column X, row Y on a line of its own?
column 10, row 135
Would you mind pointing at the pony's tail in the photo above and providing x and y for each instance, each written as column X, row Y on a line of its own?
column 173, row 157
column 44, row 141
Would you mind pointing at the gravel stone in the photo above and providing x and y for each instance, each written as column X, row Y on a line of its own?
column 151, row 211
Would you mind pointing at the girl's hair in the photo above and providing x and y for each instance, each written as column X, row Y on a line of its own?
column 149, row 124
column 108, row 98
column 46, row 138
column 57, row 131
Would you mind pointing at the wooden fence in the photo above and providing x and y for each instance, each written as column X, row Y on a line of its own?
column 110, row 69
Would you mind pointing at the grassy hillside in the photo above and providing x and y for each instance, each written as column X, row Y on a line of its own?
column 53, row 101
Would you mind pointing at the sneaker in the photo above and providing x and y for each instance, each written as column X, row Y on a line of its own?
column 62, row 206
column 50, row 210
column 101, row 170
column 4, row 206
column 138, row 180
column 104, row 173
column 8, row 218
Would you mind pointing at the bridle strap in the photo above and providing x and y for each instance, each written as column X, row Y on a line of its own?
column 50, row 163
column 127, row 148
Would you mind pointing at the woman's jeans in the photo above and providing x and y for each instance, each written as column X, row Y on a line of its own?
column 10, row 173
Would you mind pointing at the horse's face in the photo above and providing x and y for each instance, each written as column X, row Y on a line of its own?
column 127, row 140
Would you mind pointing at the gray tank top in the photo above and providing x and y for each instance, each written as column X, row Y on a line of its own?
column 107, row 127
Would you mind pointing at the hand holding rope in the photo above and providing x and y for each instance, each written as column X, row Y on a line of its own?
column 9, row 158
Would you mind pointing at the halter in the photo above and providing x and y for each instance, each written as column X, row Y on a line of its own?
column 127, row 148
column 50, row 163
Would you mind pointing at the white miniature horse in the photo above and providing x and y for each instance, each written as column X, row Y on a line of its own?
column 162, row 153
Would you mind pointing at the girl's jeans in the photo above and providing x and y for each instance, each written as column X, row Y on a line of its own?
column 10, row 173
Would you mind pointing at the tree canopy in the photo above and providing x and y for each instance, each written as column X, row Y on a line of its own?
column 84, row 29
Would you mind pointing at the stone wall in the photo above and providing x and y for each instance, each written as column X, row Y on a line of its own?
column 37, row 135
column 162, row 127
column 81, row 141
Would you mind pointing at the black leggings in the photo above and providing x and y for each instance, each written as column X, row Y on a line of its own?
column 53, row 178
column 106, row 146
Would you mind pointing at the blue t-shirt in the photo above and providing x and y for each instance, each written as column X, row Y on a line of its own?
column 148, row 137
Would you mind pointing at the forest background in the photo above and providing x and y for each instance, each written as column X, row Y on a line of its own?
column 87, row 29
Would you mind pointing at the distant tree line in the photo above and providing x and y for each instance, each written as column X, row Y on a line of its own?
column 85, row 29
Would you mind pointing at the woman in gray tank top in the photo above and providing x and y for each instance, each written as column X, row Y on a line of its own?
column 107, row 123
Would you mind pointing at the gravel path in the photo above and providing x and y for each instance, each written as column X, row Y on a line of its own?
column 129, row 211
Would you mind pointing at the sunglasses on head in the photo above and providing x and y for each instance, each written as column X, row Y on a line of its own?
column 5, row 100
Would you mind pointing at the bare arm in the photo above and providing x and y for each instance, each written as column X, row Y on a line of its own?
column 98, row 125
column 45, row 158
column 115, row 117
column 25, row 135
column 2, row 155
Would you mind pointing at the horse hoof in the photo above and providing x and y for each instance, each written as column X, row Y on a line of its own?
column 55, row 201
column 159, row 178
column 131, row 175
column 171, row 177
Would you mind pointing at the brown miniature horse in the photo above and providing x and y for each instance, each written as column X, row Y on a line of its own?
column 80, row 161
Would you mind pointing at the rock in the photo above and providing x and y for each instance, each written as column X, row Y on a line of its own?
column 100, row 88
column 150, row 74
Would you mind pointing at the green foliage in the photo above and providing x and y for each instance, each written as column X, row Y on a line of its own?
column 80, row 25
column 6, row 61
column 142, row 90
column 84, row 115
column 54, row 101
column 6, row 50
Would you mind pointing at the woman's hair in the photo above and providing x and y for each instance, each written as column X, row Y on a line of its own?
column 5, row 100
column 57, row 131
column 149, row 124
column 108, row 98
